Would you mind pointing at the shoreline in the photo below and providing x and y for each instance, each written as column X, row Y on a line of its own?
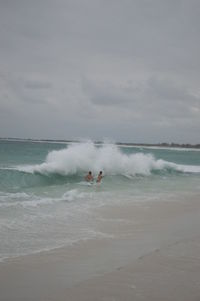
column 145, row 238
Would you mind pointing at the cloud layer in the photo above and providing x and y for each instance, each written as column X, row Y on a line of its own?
column 127, row 70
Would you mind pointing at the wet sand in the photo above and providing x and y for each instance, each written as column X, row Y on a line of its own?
column 171, row 273
column 152, row 253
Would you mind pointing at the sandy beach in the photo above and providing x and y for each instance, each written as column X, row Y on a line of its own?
column 151, row 252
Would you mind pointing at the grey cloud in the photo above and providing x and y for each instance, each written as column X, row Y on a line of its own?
column 36, row 84
column 107, row 93
column 127, row 68
column 168, row 90
column 152, row 107
column 152, row 92
column 16, row 89
column 162, row 33
column 171, row 99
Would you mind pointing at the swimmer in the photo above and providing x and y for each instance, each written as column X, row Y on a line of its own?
column 100, row 176
column 89, row 177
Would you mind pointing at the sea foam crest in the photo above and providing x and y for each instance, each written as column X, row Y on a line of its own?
column 81, row 157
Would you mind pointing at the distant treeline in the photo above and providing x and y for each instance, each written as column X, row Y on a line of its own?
column 163, row 144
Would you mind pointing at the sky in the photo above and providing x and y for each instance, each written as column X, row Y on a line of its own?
column 127, row 71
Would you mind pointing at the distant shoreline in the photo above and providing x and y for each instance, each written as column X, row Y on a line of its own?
column 162, row 145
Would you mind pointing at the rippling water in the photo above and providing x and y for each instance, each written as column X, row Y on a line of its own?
column 45, row 202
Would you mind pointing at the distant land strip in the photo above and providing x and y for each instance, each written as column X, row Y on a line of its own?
column 163, row 144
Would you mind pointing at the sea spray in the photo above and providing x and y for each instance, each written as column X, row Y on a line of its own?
column 79, row 158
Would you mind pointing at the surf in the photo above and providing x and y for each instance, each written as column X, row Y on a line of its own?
column 78, row 159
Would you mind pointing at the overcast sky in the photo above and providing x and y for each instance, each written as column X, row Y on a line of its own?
column 126, row 70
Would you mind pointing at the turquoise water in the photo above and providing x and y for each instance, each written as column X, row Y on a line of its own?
column 45, row 202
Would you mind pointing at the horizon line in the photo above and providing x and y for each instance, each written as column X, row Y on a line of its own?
column 162, row 144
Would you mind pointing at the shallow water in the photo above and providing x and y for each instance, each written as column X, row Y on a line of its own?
column 45, row 202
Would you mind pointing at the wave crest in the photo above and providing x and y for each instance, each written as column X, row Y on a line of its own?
column 79, row 158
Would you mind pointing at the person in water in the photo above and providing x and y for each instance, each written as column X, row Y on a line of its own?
column 100, row 176
column 89, row 177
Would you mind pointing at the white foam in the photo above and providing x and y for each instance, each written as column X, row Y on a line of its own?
column 25, row 200
column 188, row 168
column 79, row 158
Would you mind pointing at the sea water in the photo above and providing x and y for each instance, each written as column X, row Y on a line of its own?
column 45, row 202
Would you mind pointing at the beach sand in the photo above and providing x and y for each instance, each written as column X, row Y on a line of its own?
column 152, row 252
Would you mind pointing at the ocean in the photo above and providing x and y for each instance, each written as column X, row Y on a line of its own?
column 45, row 202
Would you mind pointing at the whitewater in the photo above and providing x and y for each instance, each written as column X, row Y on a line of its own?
column 80, row 158
column 45, row 202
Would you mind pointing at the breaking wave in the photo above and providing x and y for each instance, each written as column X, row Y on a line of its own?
column 79, row 158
